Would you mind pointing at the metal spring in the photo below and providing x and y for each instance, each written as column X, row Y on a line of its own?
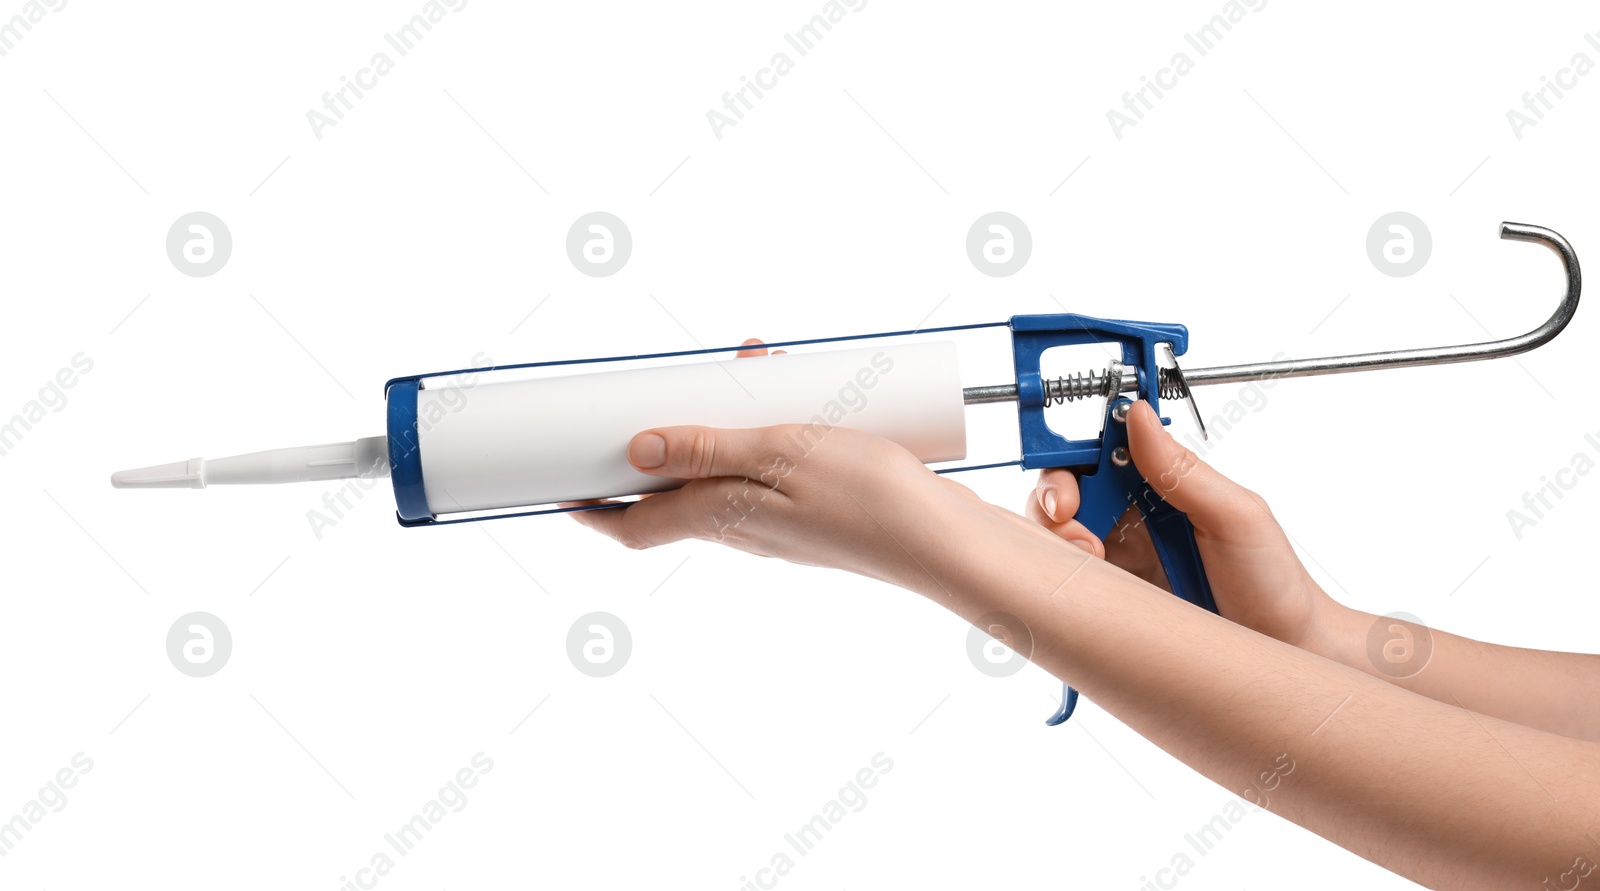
column 1171, row 384
column 1080, row 386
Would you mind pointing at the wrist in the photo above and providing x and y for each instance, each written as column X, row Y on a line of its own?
column 976, row 559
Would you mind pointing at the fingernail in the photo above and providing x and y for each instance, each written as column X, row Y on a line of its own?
column 647, row 450
column 1047, row 500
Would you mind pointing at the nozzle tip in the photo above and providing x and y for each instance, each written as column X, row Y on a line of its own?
column 177, row 475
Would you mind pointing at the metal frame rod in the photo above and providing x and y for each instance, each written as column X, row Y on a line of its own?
column 1472, row 352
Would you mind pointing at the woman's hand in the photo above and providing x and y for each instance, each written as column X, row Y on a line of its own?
column 809, row 494
column 1255, row 576
column 817, row 495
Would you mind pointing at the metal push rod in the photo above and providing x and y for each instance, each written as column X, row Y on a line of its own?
column 1472, row 352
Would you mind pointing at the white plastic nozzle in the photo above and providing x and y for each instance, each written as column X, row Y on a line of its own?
column 367, row 458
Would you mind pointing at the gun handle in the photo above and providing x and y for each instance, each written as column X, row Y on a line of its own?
column 1173, row 536
column 1105, row 496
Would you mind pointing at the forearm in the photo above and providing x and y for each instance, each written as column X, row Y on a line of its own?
column 1396, row 778
column 1556, row 692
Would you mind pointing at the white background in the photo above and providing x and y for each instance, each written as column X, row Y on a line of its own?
column 370, row 665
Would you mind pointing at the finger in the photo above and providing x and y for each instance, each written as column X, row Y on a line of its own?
column 705, row 509
column 1129, row 546
column 589, row 517
column 750, row 353
column 706, row 452
column 592, row 502
column 1178, row 475
column 1075, row 533
column 1057, row 492
column 1069, row 529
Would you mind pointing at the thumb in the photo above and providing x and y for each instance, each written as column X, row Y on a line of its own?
column 706, row 452
column 1211, row 500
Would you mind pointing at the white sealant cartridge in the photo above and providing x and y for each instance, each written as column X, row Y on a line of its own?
column 458, row 444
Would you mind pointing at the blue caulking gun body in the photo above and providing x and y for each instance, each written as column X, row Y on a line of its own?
column 491, row 458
